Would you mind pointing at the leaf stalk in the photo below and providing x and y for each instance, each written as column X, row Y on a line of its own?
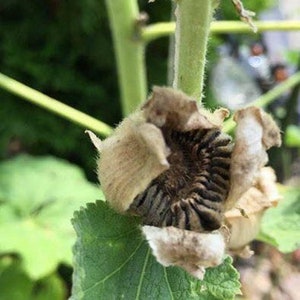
column 130, row 52
column 53, row 105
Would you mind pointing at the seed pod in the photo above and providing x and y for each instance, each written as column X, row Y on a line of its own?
column 171, row 164
column 191, row 193
column 169, row 132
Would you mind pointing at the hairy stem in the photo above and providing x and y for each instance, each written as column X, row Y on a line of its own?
column 129, row 49
column 193, row 19
column 53, row 105
column 158, row 30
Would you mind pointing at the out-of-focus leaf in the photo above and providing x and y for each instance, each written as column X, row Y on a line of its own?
column 292, row 136
column 113, row 261
column 39, row 196
column 49, row 288
column 16, row 285
column 281, row 225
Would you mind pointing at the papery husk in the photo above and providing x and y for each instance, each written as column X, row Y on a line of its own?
column 244, row 220
column 256, row 132
column 130, row 159
column 174, row 109
column 189, row 250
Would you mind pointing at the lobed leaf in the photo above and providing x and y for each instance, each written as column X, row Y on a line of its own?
column 113, row 261
column 37, row 199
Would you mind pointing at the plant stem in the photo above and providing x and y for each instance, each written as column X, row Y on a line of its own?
column 193, row 19
column 158, row 30
column 241, row 27
column 268, row 97
column 53, row 105
column 274, row 93
column 291, row 116
column 129, row 49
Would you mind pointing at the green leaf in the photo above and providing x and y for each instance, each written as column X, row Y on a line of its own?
column 49, row 288
column 16, row 285
column 281, row 225
column 292, row 136
column 113, row 261
column 38, row 197
column 221, row 282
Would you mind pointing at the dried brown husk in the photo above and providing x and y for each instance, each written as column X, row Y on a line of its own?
column 189, row 250
column 129, row 159
column 173, row 108
column 253, row 186
column 256, row 132
column 243, row 221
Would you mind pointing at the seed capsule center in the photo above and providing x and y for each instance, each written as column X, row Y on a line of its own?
column 191, row 193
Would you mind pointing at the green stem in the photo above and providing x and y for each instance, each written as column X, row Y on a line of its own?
column 53, row 105
column 123, row 17
column 291, row 106
column 268, row 97
column 193, row 19
column 281, row 88
column 158, row 30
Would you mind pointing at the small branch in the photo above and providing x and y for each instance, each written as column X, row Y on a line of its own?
column 241, row 27
column 158, row 30
column 268, row 97
column 193, row 19
column 53, row 105
column 129, row 49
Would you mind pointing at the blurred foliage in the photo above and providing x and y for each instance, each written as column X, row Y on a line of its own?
column 281, row 225
column 37, row 199
column 15, row 284
column 292, row 136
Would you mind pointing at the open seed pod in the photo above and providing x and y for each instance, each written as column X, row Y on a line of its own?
column 171, row 164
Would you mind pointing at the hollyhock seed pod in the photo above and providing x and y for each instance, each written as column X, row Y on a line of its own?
column 171, row 164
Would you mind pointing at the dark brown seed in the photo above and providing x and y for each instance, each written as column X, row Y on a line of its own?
column 191, row 193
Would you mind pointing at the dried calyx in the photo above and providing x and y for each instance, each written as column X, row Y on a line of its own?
column 171, row 164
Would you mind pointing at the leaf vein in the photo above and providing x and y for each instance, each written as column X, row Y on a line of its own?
column 116, row 270
column 168, row 283
column 142, row 275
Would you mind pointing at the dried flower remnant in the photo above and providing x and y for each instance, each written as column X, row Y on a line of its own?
column 187, row 249
column 171, row 164
column 256, row 132
column 245, row 15
column 244, row 226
